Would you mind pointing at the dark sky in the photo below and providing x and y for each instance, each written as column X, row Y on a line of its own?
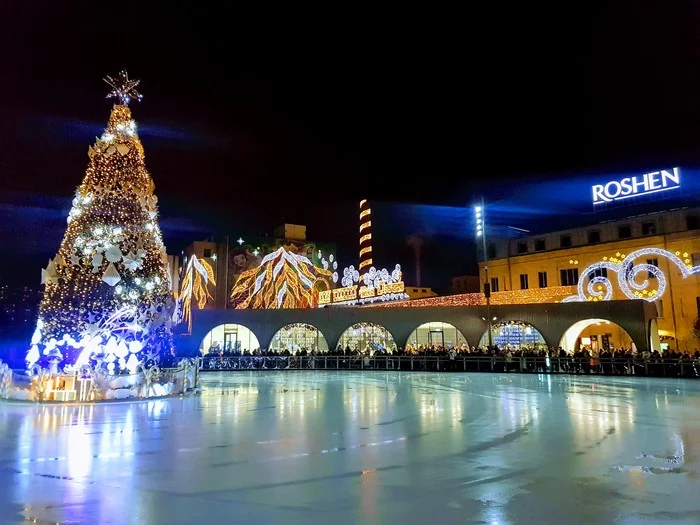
column 251, row 119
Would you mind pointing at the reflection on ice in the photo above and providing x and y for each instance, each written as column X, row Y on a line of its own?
column 349, row 447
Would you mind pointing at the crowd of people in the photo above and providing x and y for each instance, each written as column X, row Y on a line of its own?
column 533, row 359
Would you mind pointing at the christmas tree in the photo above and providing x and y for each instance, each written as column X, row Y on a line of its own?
column 107, row 292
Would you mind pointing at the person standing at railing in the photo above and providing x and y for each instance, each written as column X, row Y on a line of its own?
column 453, row 357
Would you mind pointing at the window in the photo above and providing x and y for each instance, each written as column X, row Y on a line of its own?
column 593, row 237
column 660, row 308
column 691, row 221
column 523, row 281
column 697, row 305
column 539, row 245
column 696, row 259
column 494, row 284
column 423, row 290
column 569, row 277
column 522, row 247
column 624, row 232
column 653, row 262
column 600, row 272
column 648, row 228
column 565, row 241
column 492, row 251
column 207, row 252
column 542, row 278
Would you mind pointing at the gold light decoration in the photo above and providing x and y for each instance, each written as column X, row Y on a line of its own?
column 282, row 280
column 552, row 294
column 195, row 287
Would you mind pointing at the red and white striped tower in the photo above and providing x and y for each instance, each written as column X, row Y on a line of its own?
column 365, row 238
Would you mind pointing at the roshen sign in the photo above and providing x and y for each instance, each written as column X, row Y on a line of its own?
column 629, row 187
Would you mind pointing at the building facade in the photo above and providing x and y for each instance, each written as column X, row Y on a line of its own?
column 419, row 292
column 367, row 329
column 563, row 258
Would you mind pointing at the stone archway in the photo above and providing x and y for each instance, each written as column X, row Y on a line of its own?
column 229, row 337
column 514, row 334
column 596, row 335
column 299, row 336
column 366, row 338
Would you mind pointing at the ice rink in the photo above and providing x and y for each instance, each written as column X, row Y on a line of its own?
column 363, row 448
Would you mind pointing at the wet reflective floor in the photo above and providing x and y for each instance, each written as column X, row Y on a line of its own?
column 363, row 448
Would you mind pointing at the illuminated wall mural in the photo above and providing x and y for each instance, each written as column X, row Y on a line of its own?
column 282, row 280
column 195, row 287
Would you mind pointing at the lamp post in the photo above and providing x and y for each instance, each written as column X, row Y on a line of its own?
column 214, row 258
column 479, row 214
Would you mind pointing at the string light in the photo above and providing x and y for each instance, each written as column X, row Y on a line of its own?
column 536, row 295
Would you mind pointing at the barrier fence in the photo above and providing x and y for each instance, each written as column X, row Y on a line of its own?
column 542, row 365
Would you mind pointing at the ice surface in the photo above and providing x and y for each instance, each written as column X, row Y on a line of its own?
column 362, row 448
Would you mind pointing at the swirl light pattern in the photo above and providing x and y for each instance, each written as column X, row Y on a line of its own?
column 599, row 288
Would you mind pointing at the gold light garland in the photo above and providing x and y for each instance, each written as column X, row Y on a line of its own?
column 552, row 294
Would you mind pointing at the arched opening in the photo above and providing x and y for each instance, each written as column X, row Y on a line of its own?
column 517, row 335
column 298, row 337
column 367, row 338
column 596, row 336
column 437, row 334
column 229, row 338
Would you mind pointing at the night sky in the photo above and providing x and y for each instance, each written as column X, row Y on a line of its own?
column 251, row 120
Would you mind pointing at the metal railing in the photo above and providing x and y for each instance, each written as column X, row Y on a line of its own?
column 527, row 364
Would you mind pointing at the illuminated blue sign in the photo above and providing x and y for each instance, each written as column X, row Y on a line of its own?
column 629, row 187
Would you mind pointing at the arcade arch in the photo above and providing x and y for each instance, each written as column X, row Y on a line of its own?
column 436, row 334
column 595, row 335
column 367, row 338
column 299, row 336
column 234, row 338
column 515, row 335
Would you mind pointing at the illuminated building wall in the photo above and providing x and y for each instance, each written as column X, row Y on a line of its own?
column 536, row 263
column 365, row 238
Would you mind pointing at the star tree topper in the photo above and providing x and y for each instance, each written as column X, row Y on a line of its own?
column 123, row 88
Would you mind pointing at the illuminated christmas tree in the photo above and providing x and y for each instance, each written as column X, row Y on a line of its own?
column 107, row 293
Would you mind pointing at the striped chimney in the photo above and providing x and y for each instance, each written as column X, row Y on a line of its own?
column 365, row 238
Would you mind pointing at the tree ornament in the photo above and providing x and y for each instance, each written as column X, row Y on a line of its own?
column 123, row 88
column 111, row 275
column 123, row 149
column 97, row 262
column 113, row 254
column 49, row 274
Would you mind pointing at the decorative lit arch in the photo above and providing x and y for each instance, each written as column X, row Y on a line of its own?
column 299, row 336
column 514, row 334
column 437, row 333
column 229, row 337
column 366, row 338
column 595, row 335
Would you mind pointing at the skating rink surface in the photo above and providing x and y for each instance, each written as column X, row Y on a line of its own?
column 362, row 448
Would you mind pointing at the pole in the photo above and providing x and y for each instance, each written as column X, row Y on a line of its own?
column 486, row 274
column 226, row 277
